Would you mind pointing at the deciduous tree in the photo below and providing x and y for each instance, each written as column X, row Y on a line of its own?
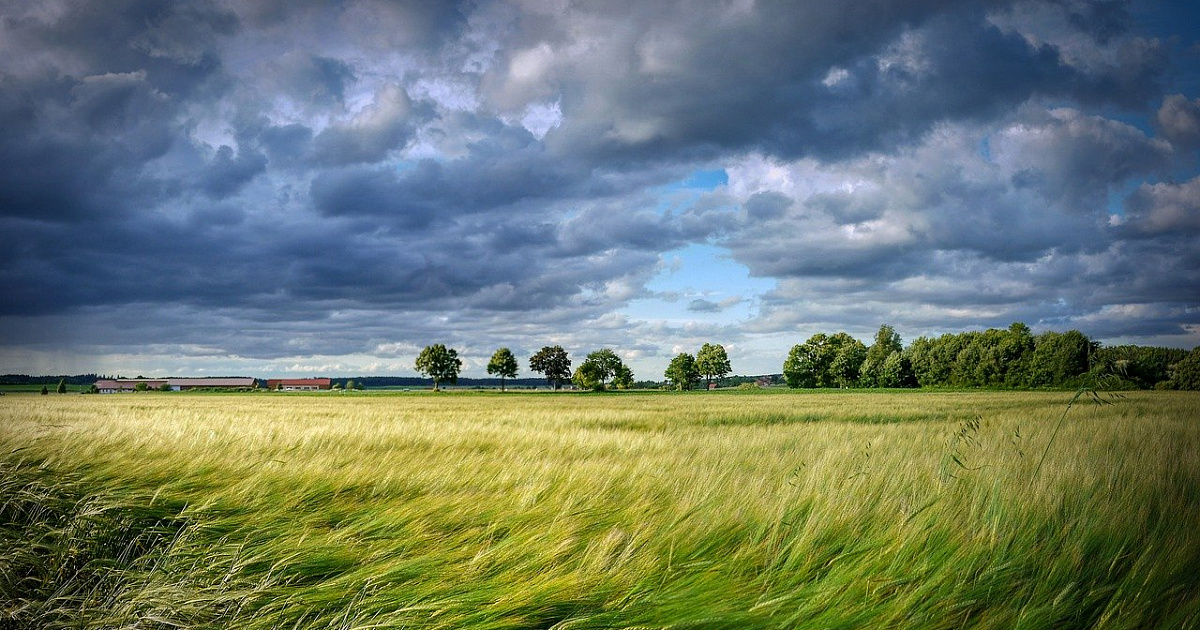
column 598, row 368
column 682, row 371
column 553, row 363
column 503, row 364
column 439, row 363
column 712, row 362
column 1186, row 373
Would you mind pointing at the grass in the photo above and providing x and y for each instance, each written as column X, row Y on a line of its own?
column 656, row 510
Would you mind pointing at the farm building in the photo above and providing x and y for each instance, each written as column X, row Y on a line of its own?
column 180, row 384
column 299, row 384
column 119, row 385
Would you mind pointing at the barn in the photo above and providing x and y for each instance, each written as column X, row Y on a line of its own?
column 299, row 384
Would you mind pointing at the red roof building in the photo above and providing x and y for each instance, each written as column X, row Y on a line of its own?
column 299, row 384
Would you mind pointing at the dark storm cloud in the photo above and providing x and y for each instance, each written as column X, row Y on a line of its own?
column 670, row 85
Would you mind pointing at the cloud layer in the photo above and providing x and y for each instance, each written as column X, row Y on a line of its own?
column 255, row 186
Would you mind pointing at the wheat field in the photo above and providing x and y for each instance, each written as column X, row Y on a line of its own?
column 820, row 509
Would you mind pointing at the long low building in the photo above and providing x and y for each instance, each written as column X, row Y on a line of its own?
column 120, row 385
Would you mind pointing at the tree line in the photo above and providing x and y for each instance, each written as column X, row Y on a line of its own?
column 1012, row 358
column 600, row 370
column 999, row 358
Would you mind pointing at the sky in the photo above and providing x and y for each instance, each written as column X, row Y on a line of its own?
column 293, row 187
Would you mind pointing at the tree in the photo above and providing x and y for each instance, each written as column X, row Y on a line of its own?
column 62, row 386
column 597, row 368
column 802, row 366
column 887, row 342
column 553, row 363
column 439, row 363
column 846, row 360
column 350, row 384
column 165, row 387
column 1058, row 358
column 623, row 377
column 503, row 364
column 824, row 361
column 141, row 387
column 897, row 372
column 712, row 362
column 1186, row 373
column 45, row 390
column 682, row 371
column 589, row 375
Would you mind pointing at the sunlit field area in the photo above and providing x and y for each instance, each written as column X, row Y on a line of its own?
column 817, row 509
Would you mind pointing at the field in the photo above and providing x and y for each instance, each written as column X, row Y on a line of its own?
column 650, row 510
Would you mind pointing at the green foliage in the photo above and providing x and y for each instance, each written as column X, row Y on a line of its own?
column 1011, row 358
column 45, row 390
column 887, row 342
column 439, row 363
column 1144, row 367
column 825, row 361
column 141, row 387
column 598, row 368
column 1058, row 358
column 682, row 371
column 503, row 364
column 165, row 387
column 1186, row 373
column 589, row 375
column 623, row 377
column 62, row 386
column 553, row 363
column 712, row 362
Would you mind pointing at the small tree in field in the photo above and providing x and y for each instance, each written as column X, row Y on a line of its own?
column 503, row 364
column 712, row 362
column 599, row 367
column 62, row 386
column 682, row 371
column 589, row 375
column 45, row 390
column 439, row 363
column 553, row 363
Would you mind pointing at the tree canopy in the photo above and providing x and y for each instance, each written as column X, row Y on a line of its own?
column 553, row 363
column 682, row 371
column 599, row 367
column 825, row 361
column 439, row 363
column 503, row 364
column 712, row 362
